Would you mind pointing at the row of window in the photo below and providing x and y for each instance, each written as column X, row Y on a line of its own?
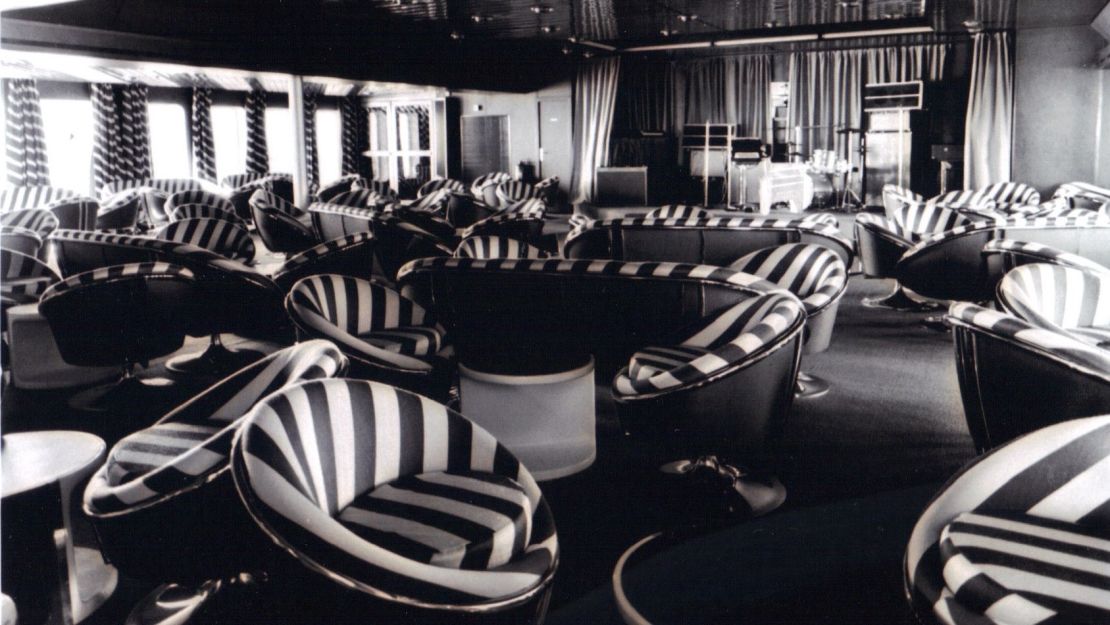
column 68, row 126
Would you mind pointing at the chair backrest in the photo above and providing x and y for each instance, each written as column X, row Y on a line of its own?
column 24, row 278
column 337, row 186
column 381, row 187
column 894, row 195
column 351, row 255
column 678, row 212
column 121, row 210
column 1003, row 255
column 14, row 198
column 164, row 186
column 205, row 211
column 484, row 188
column 20, row 240
column 916, row 218
column 217, row 235
column 514, row 191
column 198, row 197
column 75, row 213
column 359, row 198
column 524, row 227
column 813, row 273
column 433, row 202
column 334, row 221
column 357, row 306
column 1064, row 299
column 277, row 225
column 530, row 207
column 38, row 220
column 497, row 247
column 235, row 181
column 435, row 184
column 1085, row 193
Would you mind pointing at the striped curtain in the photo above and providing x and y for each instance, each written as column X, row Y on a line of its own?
column 258, row 157
column 204, row 150
column 121, row 136
column 355, row 140
column 26, row 144
column 311, row 154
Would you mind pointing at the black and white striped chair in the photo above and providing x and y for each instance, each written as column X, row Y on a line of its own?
column 243, row 186
column 16, row 198
column 484, row 188
column 435, row 184
column 352, row 255
column 41, row 221
column 204, row 211
column 387, row 336
column 216, row 235
column 334, row 221
column 279, row 224
column 75, row 213
column 894, row 196
column 1002, row 255
column 1083, row 195
column 22, row 240
column 1019, row 535
column 1016, row 377
column 1004, row 197
column 155, row 192
column 197, row 197
column 434, row 202
column 678, row 212
column 358, row 198
column 23, row 277
column 341, row 184
column 428, row 223
column 548, row 190
column 520, row 226
column 497, row 247
column 531, row 207
column 164, row 504
column 817, row 276
column 512, row 191
column 419, row 511
column 85, row 314
column 381, row 187
column 121, row 211
column 1063, row 299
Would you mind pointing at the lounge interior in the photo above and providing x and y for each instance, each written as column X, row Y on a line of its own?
column 555, row 311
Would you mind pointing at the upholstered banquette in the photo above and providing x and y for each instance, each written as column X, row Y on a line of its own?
column 1020, row 535
column 714, row 241
column 1016, row 377
column 414, row 509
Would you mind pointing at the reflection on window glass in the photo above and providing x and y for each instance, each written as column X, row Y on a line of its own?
column 279, row 139
column 68, row 127
column 413, row 128
column 329, row 144
column 379, row 133
column 169, row 140
column 229, row 132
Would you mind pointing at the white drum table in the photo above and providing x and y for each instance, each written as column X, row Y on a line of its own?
column 548, row 421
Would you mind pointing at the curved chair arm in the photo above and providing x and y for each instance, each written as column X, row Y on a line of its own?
column 1013, row 253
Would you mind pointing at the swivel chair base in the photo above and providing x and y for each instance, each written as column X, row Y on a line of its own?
column 899, row 300
column 176, row 604
column 217, row 360
column 128, row 390
column 739, row 492
column 810, row 386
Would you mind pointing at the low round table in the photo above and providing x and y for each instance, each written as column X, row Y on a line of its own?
column 548, row 421
column 52, row 567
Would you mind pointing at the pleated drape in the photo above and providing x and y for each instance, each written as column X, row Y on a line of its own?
column 990, row 111
column 355, row 139
column 311, row 154
column 25, row 146
column 595, row 94
column 204, row 151
column 258, row 157
column 121, row 136
column 730, row 90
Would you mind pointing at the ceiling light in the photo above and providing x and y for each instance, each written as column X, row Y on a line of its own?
column 751, row 41
column 456, row 35
column 670, row 46
column 587, row 54
column 907, row 30
column 667, row 32
column 770, row 24
column 682, row 17
column 547, row 29
column 478, row 19
column 540, row 9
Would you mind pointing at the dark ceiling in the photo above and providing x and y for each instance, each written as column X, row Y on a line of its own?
column 503, row 44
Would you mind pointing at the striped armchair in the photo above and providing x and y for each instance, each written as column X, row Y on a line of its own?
column 358, row 198
column 23, row 277
column 1016, row 377
column 435, row 184
column 341, row 184
column 352, row 255
column 169, row 484
column 511, row 191
column 894, row 196
column 204, row 211
column 678, row 212
column 278, row 224
column 428, row 520
column 242, row 187
column 15, row 198
column 497, row 247
column 41, row 221
column 77, row 213
column 1083, row 195
column 1062, row 299
column 215, row 235
column 434, row 202
column 817, row 276
column 22, row 240
column 198, row 197
column 520, row 226
column 386, row 336
column 531, row 207
column 484, row 188
column 121, row 211
column 1019, row 535
column 1002, row 255
column 155, row 192
column 381, row 187
column 1004, row 197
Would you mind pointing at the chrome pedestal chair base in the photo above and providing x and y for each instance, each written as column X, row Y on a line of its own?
column 810, row 386
column 217, row 360
column 738, row 491
column 899, row 300
column 220, row 601
column 126, row 391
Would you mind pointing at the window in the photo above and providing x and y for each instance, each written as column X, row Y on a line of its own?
column 402, row 151
column 329, row 143
column 229, row 134
column 279, row 139
column 169, row 140
column 68, row 127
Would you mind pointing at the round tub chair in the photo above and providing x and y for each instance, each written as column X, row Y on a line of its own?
column 78, row 213
column 278, row 224
column 121, row 315
column 24, row 277
column 484, row 188
column 164, row 504
column 817, row 276
column 548, row 190
column 1083, row 195
column 434, row 202
column 353, row 255
column 381, row 187
column 198, row 197
column 400, row 511
column 529, row 207
column 358, row 198
column 216, row 235
column 41, row 221
column 205, row 211
column 22, row 240
column 1003, row 255
column 121, row 211
column 243, row 186
column 435, row 184
column 401, row 241
column 386, row 336
column 513, row 191
column 1063, row 299
column 895, row 196
column 429, row 223
column 337, row 186
column 497, row 247
column 678, row 212
column 1021, row 535
column 525, row 227
column 749, row 350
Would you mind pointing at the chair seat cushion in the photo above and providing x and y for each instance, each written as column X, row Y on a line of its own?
column 1098, row 336
column 1018, row 568
column 654, row 360
column 154, row 447
column 408, row 340
column 459, row 520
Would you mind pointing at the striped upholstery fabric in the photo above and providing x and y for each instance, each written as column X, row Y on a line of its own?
column 25, row 143
column 894, row 196
column 153, row 269
column 193, row 442
column 361, row 212
column 121, row 210
column 427, row 224
column 1023, row 253
column 337, row 186
column 165, row 186
column 917, row 219
column 258, row 155
column 531, row 207
column 14, row 198
column 1020, row 535
column 366, row 319
column 435, row 184
column 77, row 213
column 497, row 247
column 361, row 198
column 217, row 235
column 436, row 477
column 432, row 202
column 1011, row 225
column 24, row 278
column 198, row 196
column 234, row 181
column 266, row 200
column 1063, row 299
column 300, row 265
column 497, row 224
column 204, row 211
column 1072, row 191
column 477, row 188
column 204, row 149
column 1003, row 195
column 721, row 342
column 380, row 187
column 20, row 240
column 547, row 189
column 678, row 212
column 512, row 191
column 814, row 273
column 41, row 221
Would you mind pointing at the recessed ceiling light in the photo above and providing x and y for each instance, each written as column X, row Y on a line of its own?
column 849, row 4
column 770, row 24
column 456, row 35
column 547, row 29
column 683, row 17
column 587, row 54
column 667, row 32
column 478, row 18
column 539, row 9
